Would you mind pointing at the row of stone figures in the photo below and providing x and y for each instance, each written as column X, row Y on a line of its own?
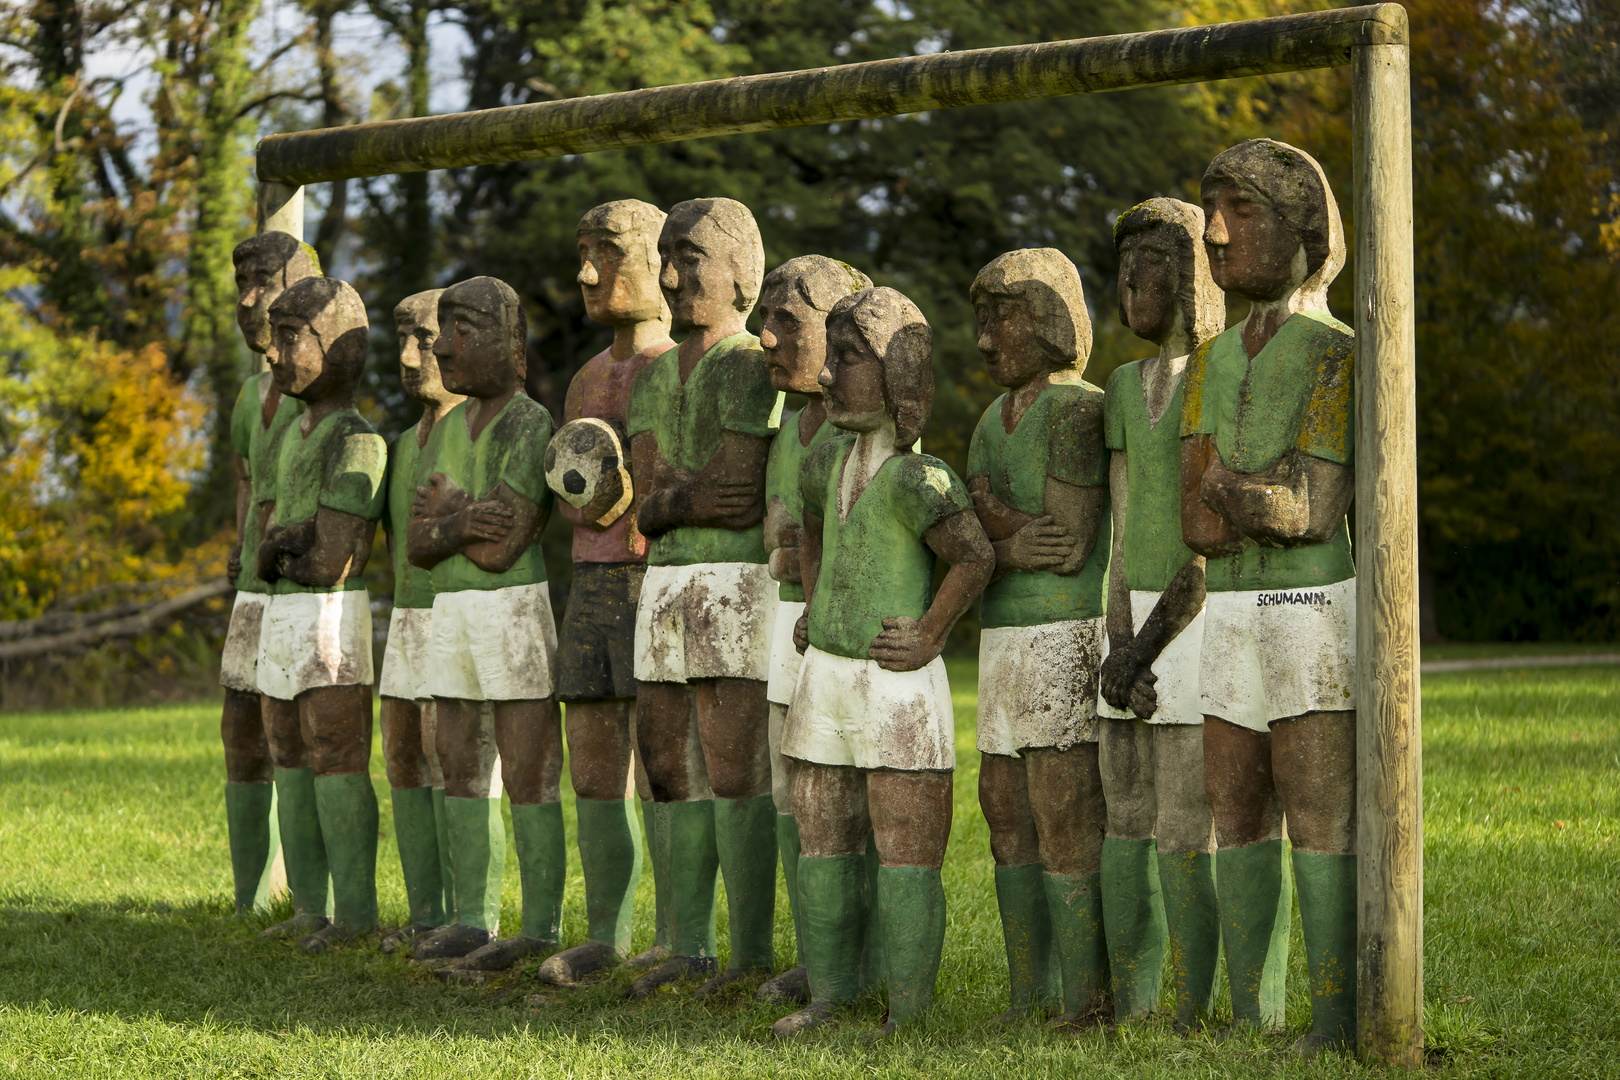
column 1167, row 600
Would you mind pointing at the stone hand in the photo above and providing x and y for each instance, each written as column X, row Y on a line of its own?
column 233, row 564
column 801, row 632
column 1119, row 672
column 902, row 646
column 1144, row 698
column 998, row 519
column 481, row 522
column 1043, row 544
column 721, row 499
column 609, row 490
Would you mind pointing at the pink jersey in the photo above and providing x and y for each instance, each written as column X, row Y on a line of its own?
column 602, row 389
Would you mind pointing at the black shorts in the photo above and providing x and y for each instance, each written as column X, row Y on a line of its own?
column 596, row 645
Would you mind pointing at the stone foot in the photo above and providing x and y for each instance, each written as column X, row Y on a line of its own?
column 792, row 987
column 726, row 978
column 450, row 941
column 325, row 938
column 1314, row 1045
column 399, row 938
column 817, row 1014
column 671, row 971
column 571, row 965
column 500, row 955
column 647, row 959
column 299, row 926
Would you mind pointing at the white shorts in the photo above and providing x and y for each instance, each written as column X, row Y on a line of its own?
column 493, row 644
column 1038, row 685
column 405, row 659
column 239, row 660
column 315, row 639
column 1276, row 654
column 853, row 712
column 1177, row 669
column 705, row 621
column 785, row 658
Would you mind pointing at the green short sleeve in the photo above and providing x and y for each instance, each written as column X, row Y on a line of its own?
column 1194, row 418
column 1125, row 379
column 1077, row 453
column 927, row 492
column 353, row 478
column 816, row 475
column 243, row 416
column 747, row 402
column 523, row 468
column 979, row 454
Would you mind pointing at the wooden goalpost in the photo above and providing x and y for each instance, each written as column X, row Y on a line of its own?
column 1373, row 40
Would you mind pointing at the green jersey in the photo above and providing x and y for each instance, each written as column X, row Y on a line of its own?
column 874, row 564
column 787, row 459
column 340, row 465
column 1154, row 552
column 729, row 390
column 511, row 450
column 260, row 446
column 413, row 586
column 1295, row 395
column 1059, row 436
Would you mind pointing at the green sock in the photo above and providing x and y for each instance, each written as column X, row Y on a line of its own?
column 1255, row 911
column 694, row 866
column 1327, row 915
column 745, row 840
column 787, row 847
column 303, row 849
column 447, row 869
column 831, row 891
column 1133, row 917
column 655, row 819
column 1075, row 903
column 1194, row 923
column 542, row 851
column 478, row 854
column 417, row 832
column 251, row 832
column 874, row 966
column 1026, row 927
column 912, row 902
column 348, row 808
column 610, row 859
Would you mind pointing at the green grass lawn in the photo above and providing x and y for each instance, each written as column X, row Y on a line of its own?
column 117, row 957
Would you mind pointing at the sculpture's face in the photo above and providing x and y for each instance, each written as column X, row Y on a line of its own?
column 618, row 286
column 1013, row 353
column 852, row 382
column 1149, row 285
column 259, row 280
column 296, row 355
column 794, row 337
column 418, row 329
column 698, row 278
column 1253, row 253
column 475, row 347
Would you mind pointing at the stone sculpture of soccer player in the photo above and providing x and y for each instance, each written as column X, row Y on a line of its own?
column 1267, row 475
column 596, row 680
column 409, row 751
column 1038, row 473
column 870, row 730
column 315, row 647
column 265, row 265
column 1158, row 873
column 476, row 525
column 701, row 417
column 793, row 305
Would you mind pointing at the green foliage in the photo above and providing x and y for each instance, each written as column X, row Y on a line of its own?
column 121, row 959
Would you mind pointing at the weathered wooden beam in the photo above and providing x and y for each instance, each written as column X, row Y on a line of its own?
column 1389, row 742
column 826, row 95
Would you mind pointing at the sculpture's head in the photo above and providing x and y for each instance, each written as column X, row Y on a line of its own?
column 1165, row 289
column 1271, row 225
column 713, row 260
column 265, row 265
column 416, row 321
column 793, row 307
column 618, row 263
column 318, row 337
column 483, row 338
column 880, row 365
column 1032, row 316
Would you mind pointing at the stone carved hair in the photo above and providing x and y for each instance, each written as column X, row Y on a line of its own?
column 283, row 250
column 418, row 305
column 336, row 316
column 1203, row 305
column 746, row 251
column 903, row 342
column 1292, row 183
column 638, row 221
column 821, row 282
column 1045, row 281
column 494, row 296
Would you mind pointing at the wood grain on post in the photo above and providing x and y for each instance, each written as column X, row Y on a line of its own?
column 826, row 95
column 1389, row 768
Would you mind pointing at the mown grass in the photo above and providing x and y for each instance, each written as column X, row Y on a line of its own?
column 117, row 958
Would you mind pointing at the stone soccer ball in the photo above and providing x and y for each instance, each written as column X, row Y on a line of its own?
column 585, row 466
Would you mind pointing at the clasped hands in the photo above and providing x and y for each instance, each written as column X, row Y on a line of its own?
column 460, row 518
column 902, row 645
column 1022, row 543
column 1128, row 682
